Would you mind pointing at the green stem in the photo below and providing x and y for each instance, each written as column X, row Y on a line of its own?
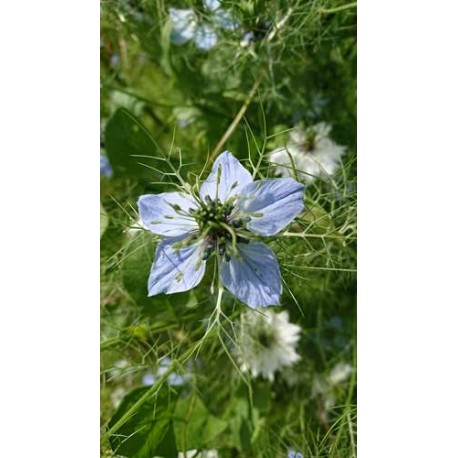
column 147, row 395
column 235, row 122
column 338, row 8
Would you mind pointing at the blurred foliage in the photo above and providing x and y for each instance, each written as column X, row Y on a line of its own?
column 164, row 109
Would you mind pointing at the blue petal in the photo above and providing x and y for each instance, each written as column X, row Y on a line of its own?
column 105, row 166
column 184, row 24
column 205, row 37
column 294, row 454
column 226, row 20
column 167, row 213
column 212, row 5
column 254, row 279
column 148, row 379
column 271, row 204
column 173, row 379
column 232, row 176
column 175, row 270
column 247, row 39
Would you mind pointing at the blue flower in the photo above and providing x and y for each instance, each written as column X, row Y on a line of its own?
column 221, row 219
column 174, row 379
column 294, row 454
column 186, row 26
column 105, row 166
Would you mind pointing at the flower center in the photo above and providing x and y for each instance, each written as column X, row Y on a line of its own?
column 213, row 215
column 218, row 227
column 310, row 140
column 266, row 337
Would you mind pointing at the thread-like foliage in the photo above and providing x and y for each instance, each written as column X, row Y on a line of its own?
column 172, row 375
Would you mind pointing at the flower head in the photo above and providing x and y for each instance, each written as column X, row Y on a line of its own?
column 186, row 25
column 221, row 220
column 309, row 152
column 267, row 343
column 293, row 454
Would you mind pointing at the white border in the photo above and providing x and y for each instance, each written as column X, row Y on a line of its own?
column 49, row 177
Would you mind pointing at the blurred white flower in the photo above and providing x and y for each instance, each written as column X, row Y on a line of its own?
column 120, row 99
column 186, row 115
column 197, row 454
column 340, row 373
column 267, row 342
column 121, row 370
column 328, row 387
column 117, row 395
column 309, row 152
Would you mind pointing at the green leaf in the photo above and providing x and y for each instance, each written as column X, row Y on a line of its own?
column 185, row 300
column 194, row 426
column 237, row 416
column 104, row 220
column 318, row 218
column 126, row 139
column 262, row 398
column 149, row 430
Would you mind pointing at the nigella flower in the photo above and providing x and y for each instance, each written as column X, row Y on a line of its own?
column 267, row 343
column 221, row 220
column 186, row 26
column 309, row 153
column 105, row 166
column 293, row 454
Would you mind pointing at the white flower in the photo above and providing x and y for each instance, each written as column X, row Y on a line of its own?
column 309, row 152
column 328, row 387
column 121, row 368
column 340, row 373
column 117, row 395
column 267, row 342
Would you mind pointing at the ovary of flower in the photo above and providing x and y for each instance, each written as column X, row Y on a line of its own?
column 309, row 153
column 221, row 220
column 267, row 343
